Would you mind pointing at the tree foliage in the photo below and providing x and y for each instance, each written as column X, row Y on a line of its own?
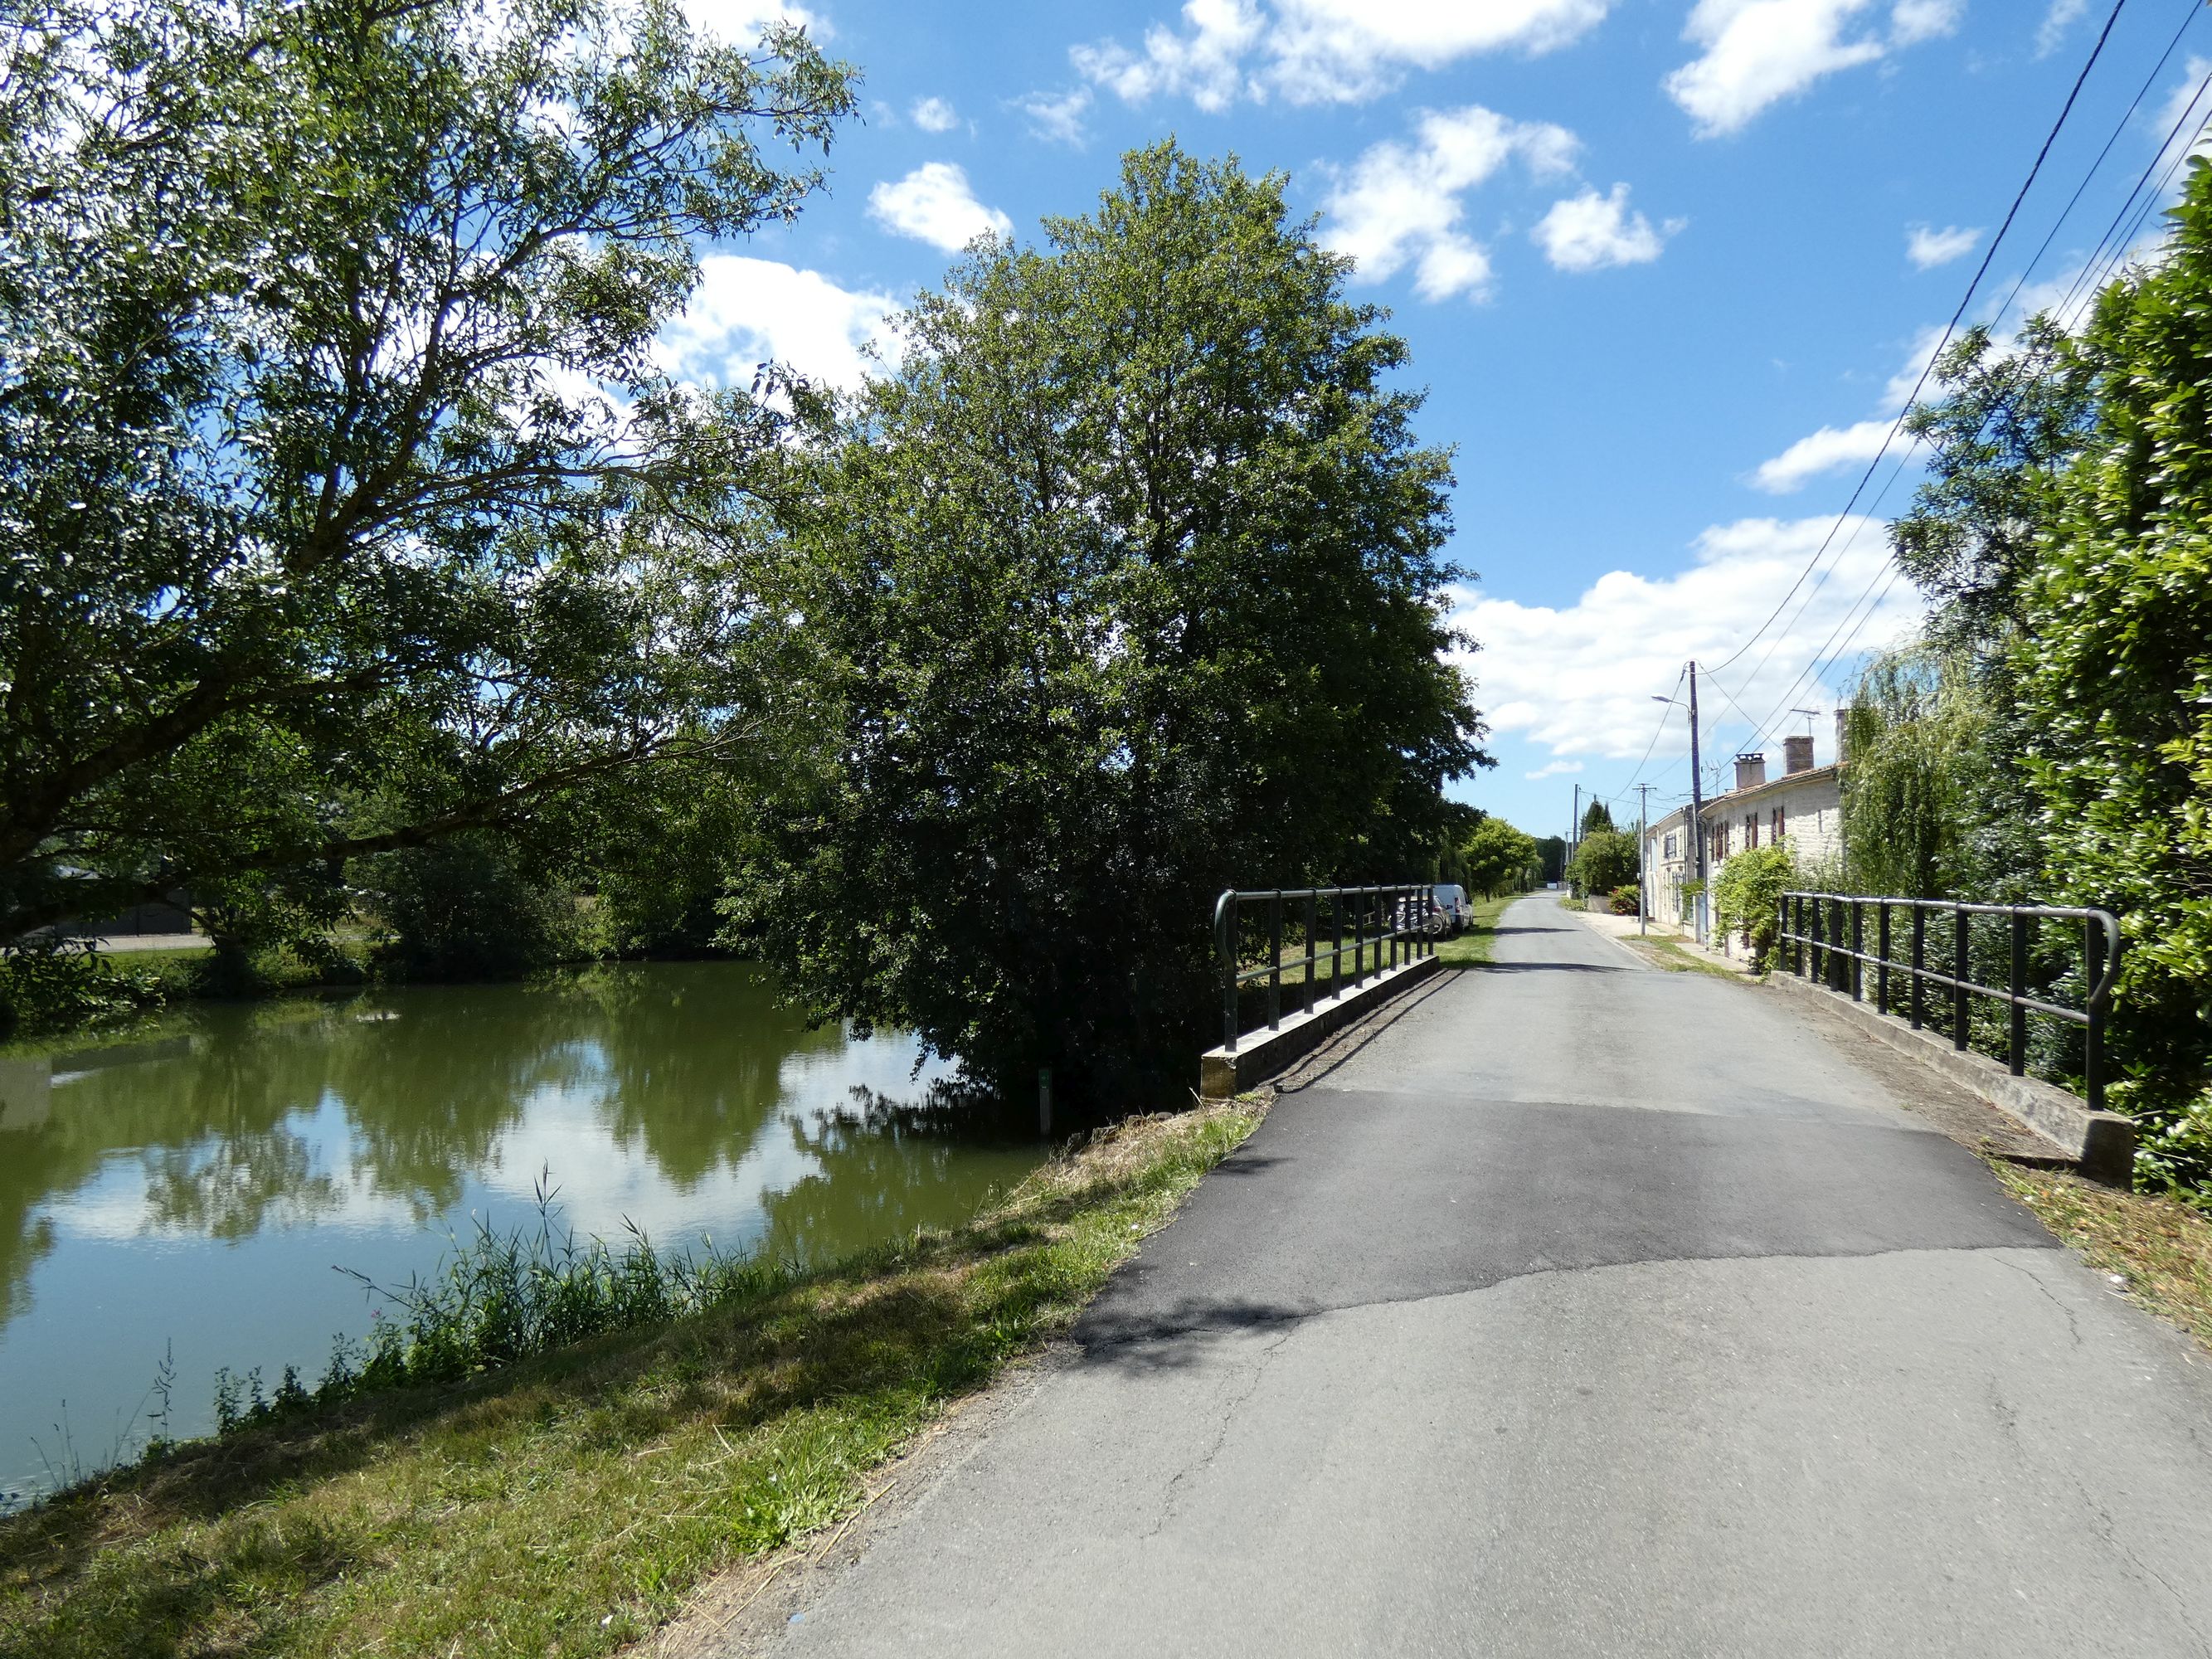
column 1497, row 856
column 1748, row 896
column 1918, row 782
column 2000, row 438
column 1127, row 587
column 2115, row 663
column 343, row 504
column 1605, row 859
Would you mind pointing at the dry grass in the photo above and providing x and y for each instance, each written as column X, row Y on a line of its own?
column 2159, row 1247
column 572, row 1504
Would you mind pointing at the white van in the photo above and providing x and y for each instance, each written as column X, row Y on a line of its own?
column 1451, row 900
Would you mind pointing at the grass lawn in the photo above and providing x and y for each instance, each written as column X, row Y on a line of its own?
column 2158, row 1247
column 570, row 1504
column 1473, row 947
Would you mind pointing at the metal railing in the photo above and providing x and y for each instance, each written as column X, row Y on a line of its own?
column 1387, row 921
column 1815, row 928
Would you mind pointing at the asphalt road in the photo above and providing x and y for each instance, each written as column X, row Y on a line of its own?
column 1587, row 1310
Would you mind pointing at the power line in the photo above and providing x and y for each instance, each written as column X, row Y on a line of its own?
column 2189, row 16
column 1886, row 577
column 2089, row 277
column 1664, row 715
column 1898, row 425
column 2111, row 245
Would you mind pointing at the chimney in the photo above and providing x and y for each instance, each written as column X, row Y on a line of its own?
column 1796, row 755
column 1750, row 771
column 1843, row 733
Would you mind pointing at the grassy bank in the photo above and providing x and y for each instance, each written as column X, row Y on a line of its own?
column 1477, row 945
column 2158, row 1247
column 570, row 1504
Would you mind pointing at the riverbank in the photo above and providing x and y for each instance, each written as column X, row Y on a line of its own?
column 571, row 1504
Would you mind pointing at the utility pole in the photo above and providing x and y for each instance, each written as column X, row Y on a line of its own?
column 1643, row 856
column 1697, row 806
column 1574, row 839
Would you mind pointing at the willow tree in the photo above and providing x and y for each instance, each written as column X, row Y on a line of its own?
column 344, row 504
column 1127, row 586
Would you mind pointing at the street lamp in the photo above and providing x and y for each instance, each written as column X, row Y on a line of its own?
column 1695, row 826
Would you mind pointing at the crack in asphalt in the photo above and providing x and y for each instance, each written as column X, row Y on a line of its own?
column 1228, row 1412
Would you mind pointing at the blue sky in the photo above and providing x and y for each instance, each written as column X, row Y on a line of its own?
column 1667, row 267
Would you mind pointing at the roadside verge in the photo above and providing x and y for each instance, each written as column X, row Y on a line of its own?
column 572, row 1504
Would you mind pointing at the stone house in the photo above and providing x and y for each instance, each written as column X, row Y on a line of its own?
column 1802, row 809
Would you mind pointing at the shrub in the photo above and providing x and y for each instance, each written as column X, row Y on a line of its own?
column 1605, row 859
column 1747, row 893
column 465, row 909
column 49, row 984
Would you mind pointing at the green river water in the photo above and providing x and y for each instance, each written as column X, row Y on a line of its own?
column 191, row 1190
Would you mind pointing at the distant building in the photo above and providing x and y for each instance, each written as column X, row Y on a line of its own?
column 1802, row 809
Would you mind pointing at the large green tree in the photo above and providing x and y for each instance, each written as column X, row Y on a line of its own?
column 1497, row 856
column 2115, row 663
column 1126, row 587
column 344, row 504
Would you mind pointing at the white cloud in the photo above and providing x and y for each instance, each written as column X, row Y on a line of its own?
column 1057, row 117
column 1205, row 63
column 1900, row 387
column 1314, row 51
column 1911, row 22
column 934, row 204
column 1399, row 203
column 1580, row 678
column 1928, row 248
column 746, row 312
column 2061, row 16
column 1557, row 769
column 1590, row 231
column 933, row 115
column 1757, row 52
column 1828, row 448
column 2183, row 116
column 739, row 22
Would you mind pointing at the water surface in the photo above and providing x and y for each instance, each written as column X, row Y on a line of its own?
column 190, row 1191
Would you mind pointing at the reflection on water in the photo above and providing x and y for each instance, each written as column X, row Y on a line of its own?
column 197, row 1189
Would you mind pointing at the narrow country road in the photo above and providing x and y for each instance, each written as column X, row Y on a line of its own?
column 1588, row 1309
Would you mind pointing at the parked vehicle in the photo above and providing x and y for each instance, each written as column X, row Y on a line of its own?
column 1451, row 900
column 1421, row 915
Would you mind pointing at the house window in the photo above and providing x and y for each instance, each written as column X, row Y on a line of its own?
column 1671, row 846
column 1778, row 826
column 1751, row 830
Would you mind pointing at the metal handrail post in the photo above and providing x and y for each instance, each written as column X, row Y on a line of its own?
column 2016, row 1054
column 2093, row 1045
column 1313, row 926
column 1858, row 950
column 1358, row 938
column 1225, row 941
column 1882, row 950
column 1959, row 920
column 1919, row 967
column 1336, row 951
column 1819, row 974
column 1275, row 959
column 1798, row 928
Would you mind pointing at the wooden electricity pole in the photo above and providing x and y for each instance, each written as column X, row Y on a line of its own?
column 1697, row 806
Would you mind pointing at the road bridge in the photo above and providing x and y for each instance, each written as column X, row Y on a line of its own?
column 1586, row 1310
